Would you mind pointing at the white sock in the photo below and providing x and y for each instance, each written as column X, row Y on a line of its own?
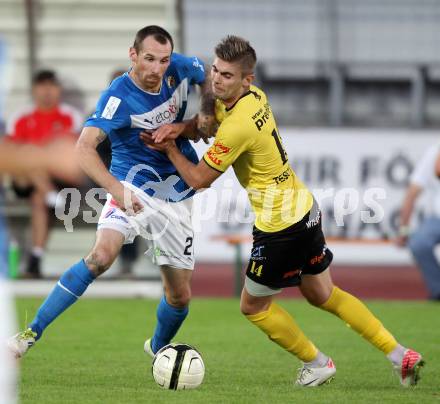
column 319, row 362
column 37, row 252
column 397, row 354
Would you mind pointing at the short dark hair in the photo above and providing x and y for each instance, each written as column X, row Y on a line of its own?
column 160, row 35
column 42, row 76
column 236, row 49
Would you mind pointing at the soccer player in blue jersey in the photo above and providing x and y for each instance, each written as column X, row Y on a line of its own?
column 146, row 195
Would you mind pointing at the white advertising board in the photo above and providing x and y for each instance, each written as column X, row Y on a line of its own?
column 358, row 176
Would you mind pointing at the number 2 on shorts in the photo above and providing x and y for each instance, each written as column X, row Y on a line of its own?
column 189, row 243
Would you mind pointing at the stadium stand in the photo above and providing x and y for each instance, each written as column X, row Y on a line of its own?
column 347, row 62
column 83, row 41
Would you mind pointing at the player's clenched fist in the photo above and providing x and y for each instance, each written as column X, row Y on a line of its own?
column 169, row 131
column 126, row 200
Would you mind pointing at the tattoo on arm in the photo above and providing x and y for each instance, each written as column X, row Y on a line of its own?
column 101, row 137
column 207, row 102
column 204, row 128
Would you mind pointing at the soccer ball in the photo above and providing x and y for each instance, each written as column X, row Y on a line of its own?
column 178, row 367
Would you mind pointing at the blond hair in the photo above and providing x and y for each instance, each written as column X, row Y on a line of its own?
column 234, row 49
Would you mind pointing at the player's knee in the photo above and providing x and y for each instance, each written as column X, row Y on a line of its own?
column 179, row 298
column 317, row 297
column 245, row 308
column 315, row 300
column 248, row 308
column 99, row 260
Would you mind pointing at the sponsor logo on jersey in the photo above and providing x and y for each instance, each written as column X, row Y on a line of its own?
column 262, row 116
column 171, row 81
column 282, row 177
column 217, row 149
column 111, row 107
column 212, row 157
column 220, row 148
column 164, row 113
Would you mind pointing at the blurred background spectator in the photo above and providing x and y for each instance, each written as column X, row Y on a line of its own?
column 55, row 160
column 423, row 240
column 8, row 379
column 41, row 124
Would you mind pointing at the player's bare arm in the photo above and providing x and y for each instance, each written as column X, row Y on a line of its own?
column 187, row 128
column 202, row 126
column 206, row 122
column 171, row 131
column 197, row 176
column 93, row 166
column 55, row 159
column 405, row 213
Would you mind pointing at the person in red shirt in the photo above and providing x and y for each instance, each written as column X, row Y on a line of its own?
column 41, row 124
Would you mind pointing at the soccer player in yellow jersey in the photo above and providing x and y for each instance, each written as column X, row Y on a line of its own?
column 289, row 247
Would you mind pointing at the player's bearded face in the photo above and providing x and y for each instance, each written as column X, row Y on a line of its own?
column 151, row 63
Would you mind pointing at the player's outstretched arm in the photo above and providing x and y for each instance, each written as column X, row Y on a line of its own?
column 202, row 126
column 56, row 159
column 406, row 211
column 89, row 158
column 187, row 128
column 93, row 166
column 172, row 131
column 197, row 176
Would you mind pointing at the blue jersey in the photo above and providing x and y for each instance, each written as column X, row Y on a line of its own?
column 124, row 110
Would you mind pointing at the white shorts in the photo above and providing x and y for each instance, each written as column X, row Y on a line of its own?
column 166, row 226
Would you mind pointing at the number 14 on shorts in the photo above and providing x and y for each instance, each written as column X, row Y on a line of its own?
column 256, row 270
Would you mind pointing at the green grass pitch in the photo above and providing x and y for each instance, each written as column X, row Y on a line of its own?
column 93, row 354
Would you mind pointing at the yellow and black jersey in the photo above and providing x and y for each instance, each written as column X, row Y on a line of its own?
column 248, row 140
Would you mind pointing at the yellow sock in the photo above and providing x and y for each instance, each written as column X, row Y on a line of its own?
column 357, row 316
column 281, row 328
